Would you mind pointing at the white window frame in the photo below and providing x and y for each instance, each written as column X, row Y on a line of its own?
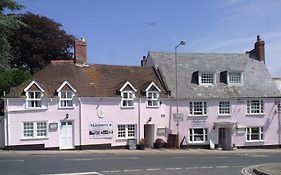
column 251, row 109
column 128, row 99
column 66, row 99
column 192, row 135
column 126, row 131
column 201, row 79
column 249, row 134
column 34, row 99
column 230, row 82
column 154, row 98
column 223, row 108
column 194, row 104
column 35, row 130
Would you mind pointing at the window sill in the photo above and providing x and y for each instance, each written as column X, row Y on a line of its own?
column 29, row 109
column 198, row 142
column 198, row 115
column 255, row 141
column 256, row 114
column 71, row 107
column 34, row 138
column 152, row 106
column 224, row 115
column 127, row 107
column 125, row 139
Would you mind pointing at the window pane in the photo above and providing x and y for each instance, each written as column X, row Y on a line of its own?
column 224, row 107
column 41, row 129
column 63, row 95
column 28, row 129
column 69, row 94
column 235, row 78
column 30, row 94
column 121, row 132
column 38, row 95
column 207, row 78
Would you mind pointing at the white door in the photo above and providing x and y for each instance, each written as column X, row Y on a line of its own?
column 66, row 135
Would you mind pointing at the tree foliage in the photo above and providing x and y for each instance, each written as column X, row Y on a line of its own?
column 8, row 22
column 43, row 40
column 10, row 78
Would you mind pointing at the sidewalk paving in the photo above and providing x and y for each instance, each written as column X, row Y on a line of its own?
column 140, row 152
column 268, row 169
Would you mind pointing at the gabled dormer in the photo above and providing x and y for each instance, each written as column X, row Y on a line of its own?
column 128, row 94
column 66, row 92
column 152, row 95
column 33, row 92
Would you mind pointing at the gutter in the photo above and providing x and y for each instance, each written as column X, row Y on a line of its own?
column 80, row 124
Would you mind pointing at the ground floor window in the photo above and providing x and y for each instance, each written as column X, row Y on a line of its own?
column 198, row 135
column 255, row 134
column 34, row 129
column 126, row 131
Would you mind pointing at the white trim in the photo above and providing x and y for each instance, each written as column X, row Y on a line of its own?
column 126, row 84
column 206, row 84
column 63, row 84
column 152, row 99
column 34, row 130
column 30, row 84
column 127, row 99
column 152, row 84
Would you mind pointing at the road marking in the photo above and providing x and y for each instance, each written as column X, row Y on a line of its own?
column 222, row 166
column 153, row 169
column 113, row 171
column 219, row 157
column 103, row 158
column 133, row 170
column 189, row 168
column 82, row 173
column 16, row 160
column 238, row 166
column 206, row 167
column 173, row 168
column 245, row 170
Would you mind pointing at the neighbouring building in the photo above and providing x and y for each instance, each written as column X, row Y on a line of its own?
column 228, row 100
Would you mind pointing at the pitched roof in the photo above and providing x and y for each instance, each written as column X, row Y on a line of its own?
column 89, row 81
column 257, row 81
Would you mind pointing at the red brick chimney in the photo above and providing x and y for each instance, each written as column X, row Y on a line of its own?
column 258, row 52
column 80, row 51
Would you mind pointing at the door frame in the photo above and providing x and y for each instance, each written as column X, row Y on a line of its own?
column 60, row 139
column 149, row 134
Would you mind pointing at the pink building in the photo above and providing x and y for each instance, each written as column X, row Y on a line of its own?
column 225, row 100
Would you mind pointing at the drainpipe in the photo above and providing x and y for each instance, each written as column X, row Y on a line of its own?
column 139, row 113
column 279, row 129
column 80, row 124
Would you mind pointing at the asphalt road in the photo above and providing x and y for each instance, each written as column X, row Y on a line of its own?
column 133, row 164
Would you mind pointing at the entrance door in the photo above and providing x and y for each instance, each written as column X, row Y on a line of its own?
column 149, row 135
column 225, row 138
column 66, row 135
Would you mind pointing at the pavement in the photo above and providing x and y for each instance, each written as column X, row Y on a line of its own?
column 264, row 169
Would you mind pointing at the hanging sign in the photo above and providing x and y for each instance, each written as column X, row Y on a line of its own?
column 101, row 130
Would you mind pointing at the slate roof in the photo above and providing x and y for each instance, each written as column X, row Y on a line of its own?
column 257, row 81
column 89, row 81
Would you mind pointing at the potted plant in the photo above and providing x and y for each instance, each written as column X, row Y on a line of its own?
column 159, row 143
column 141, row 145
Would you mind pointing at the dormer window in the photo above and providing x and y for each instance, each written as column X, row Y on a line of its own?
column 152, row 95
column 66, row 92
column 34, row 93
column 33, row 99
column 127, row 99
column 206, row 79
column 128, row 94
column 234, row 78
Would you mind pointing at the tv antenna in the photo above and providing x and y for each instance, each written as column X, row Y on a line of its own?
column 151, row 25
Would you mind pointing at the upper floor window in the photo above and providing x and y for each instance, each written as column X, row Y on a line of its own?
column 34, row 129
column 198, row 108
column 66, row 99
column 34, row 93
column 206, row 79
column 128, row 94
column 33, row 99
column 234, row 78
column 152, row 95
column 66, row 92
column 255, row 107
column 224, row 107
column 255, row 134
column 127, row 99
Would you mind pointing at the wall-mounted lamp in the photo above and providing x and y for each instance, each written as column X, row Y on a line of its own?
column 66, row 116
column 214, row 127
column 149, row 120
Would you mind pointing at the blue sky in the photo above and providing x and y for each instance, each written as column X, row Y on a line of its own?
column 117, row 31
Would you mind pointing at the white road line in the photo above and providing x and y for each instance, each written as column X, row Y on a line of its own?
column 113, row 171
column 132, row 170
column 206, row 167
column 103, row 158
column 173, row 168
column 189, row 168
column 17, row 160
column 245, row 170
column 238, row 166
column 153, row 169
column 220, row 157
column 82, row 173
column 222, row 166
